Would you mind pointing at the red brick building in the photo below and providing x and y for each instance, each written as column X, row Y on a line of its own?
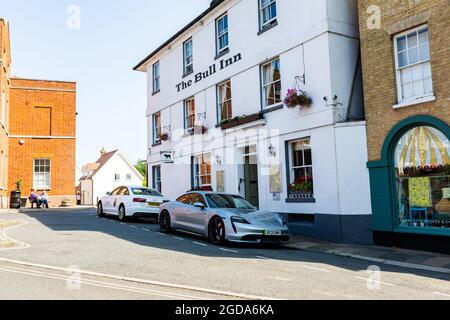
column 5, row 62
column 43, row 137
column 37, row 132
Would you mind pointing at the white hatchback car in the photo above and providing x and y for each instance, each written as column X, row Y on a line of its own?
column 131, row 202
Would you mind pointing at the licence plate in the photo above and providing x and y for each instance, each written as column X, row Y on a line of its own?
column 272, row 233
column 153, row 204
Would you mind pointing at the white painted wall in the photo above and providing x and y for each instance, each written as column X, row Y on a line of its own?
column 318, row 38
column 104, row 181
column 353, row 174
column 86, row 192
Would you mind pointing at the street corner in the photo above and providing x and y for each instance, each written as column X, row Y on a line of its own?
column 6, row 242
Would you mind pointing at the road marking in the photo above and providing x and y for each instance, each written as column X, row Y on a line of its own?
column 177, row 238
column 416, row 266
column 145, row 229
column 134, row 227
column 376, row 282
column 300, row 265
column 229, row 250
column 313, row 268
column 200, row 244
column 21, row 245
column 122, row 223
column 442, row 294
column 97, row 283
column 280, row 279
column 395, row 263
column 161, row 234
column 142, row 281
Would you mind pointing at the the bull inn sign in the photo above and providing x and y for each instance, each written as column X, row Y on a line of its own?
column 223, row 64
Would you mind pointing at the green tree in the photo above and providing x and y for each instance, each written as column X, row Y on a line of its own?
column 141, row 166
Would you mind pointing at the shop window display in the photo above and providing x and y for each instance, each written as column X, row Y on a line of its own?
column 422, row 163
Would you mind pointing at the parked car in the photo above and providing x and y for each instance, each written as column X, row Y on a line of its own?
column 131, row 201
column 222, row 217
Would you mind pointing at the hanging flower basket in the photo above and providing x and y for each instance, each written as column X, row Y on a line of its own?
column 164, row 136
column 295, row 97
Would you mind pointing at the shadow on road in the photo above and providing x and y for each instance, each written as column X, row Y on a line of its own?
column 83, row 220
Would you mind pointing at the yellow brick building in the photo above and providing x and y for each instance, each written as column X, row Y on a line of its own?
column 406, row 66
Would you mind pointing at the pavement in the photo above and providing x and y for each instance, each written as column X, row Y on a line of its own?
column 382, row 255
column 132, row 260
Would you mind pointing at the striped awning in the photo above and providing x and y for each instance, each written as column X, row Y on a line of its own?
column 423, row 146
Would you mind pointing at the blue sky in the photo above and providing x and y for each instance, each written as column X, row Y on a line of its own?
column 113, row 37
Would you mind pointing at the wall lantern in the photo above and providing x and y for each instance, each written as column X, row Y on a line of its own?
column 21, row 142
column 272, row 151
column 218, row 159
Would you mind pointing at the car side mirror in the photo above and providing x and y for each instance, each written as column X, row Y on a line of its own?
column 199, row 205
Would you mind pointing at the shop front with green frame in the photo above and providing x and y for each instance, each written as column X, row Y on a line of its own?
column 410, row 186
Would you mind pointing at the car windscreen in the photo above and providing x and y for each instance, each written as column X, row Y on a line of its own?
column 228, row 201
column 146, row 192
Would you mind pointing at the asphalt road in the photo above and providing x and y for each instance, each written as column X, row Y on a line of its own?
column 134, row 261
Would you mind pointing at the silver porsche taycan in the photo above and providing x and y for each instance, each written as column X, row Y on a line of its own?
column 222, row 217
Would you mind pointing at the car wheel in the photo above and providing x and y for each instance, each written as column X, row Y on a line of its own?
column 216, row 231
column 122, row 215
column 100, row 212
column 164, row 222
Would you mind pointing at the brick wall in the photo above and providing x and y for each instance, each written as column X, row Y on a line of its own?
column 4, row 109
column 43, row 125
column 379, row 64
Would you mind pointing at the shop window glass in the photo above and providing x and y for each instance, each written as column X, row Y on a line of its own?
column 422, row 164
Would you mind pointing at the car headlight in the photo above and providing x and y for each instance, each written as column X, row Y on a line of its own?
column 239, row 220
column 283, row 220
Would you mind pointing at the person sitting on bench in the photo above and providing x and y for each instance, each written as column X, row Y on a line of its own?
column 34, row 199
column 44, row 199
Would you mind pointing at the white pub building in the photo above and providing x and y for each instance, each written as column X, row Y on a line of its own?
column 220, row 116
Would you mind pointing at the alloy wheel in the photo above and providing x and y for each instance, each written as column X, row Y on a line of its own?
column 217, row 231
column 122, row 216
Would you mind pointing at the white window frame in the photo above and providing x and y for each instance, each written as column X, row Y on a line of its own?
column 222, row 34
column 417, row 99
column 266, row 85
column 197, row 174
column 263, row 24
column 117, row 177
column 156, row 132
column 186, row 63
column 187, row 115
column 220, row 103
column 156, row 172
column 42, row 187
column 156, row 75
column 292, row 168
column 129, row 176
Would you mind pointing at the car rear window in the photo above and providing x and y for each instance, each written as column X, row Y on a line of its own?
column 146, row 192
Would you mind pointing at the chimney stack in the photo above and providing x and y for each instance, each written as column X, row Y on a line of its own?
column 103, row 152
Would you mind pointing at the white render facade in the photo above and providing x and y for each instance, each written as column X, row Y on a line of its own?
column 309, row 45
column 111, row 170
